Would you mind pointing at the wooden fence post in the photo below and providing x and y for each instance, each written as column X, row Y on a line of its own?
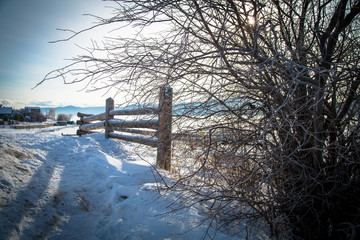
column 109, row 106
column 163, row 159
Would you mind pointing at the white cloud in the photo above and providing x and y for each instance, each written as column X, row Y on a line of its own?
column 43, row 103
column 4, row 102
column 17, row 103
column 12, row 103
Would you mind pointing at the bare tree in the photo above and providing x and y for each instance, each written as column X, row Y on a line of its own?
column 64, row 117
column 273, row 87
column 51, row 114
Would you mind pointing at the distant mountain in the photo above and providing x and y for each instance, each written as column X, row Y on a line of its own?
column 210, row 107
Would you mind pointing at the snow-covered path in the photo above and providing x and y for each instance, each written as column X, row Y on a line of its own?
column 66, row 187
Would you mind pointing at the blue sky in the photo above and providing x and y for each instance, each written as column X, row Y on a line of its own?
column 26, row 56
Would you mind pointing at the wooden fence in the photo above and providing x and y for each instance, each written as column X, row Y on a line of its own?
column 161, row 138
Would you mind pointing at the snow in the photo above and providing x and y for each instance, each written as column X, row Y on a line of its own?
column 89, row 187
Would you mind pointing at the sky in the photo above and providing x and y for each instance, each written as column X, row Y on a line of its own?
column 26, row 56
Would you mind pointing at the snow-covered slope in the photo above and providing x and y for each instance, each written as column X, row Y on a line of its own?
column 69, row 187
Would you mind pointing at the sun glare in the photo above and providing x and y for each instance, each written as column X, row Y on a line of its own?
column 251, row 20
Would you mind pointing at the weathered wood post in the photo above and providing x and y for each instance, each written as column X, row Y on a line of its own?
column 109, row 106
column 163, row 159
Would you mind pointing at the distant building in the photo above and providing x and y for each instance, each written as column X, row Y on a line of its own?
column 29, row 110
column 5, row 112
column 33, row 114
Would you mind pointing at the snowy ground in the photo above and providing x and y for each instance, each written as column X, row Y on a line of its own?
column 69, row 187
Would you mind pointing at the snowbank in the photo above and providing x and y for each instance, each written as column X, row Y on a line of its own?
column 68, row 187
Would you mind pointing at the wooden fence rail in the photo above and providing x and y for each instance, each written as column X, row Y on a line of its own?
column 161, row 138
